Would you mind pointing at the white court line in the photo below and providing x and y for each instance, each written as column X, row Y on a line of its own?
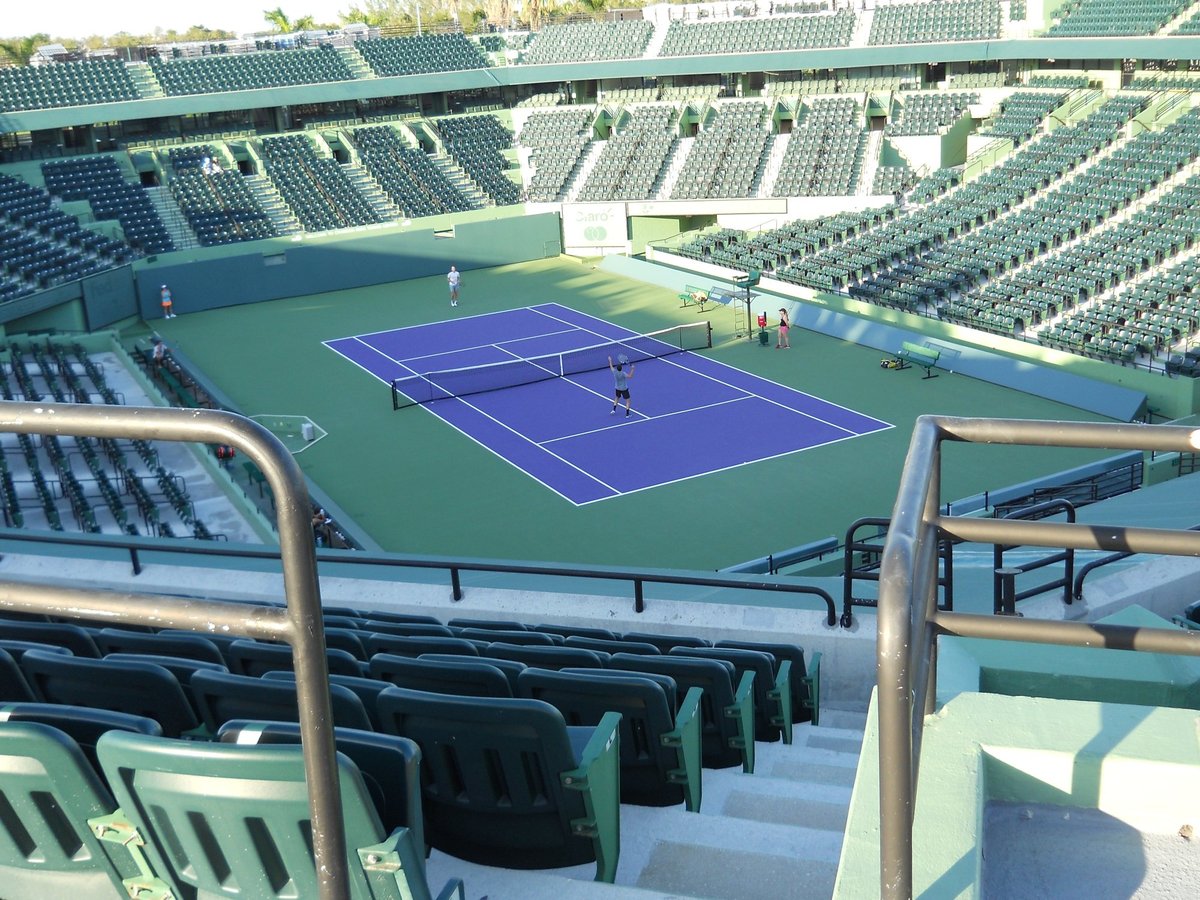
column 646, row 418
column 534, row 443
column 427, row 324
column 720, row 381
column 355, row 362
column 492, row 345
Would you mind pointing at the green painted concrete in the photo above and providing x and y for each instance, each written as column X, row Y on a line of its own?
column 1138, row 764
column 1070, row 673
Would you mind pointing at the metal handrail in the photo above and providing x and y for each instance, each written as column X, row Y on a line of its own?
column 638, row 578
column 909, row 621
column 298, row 624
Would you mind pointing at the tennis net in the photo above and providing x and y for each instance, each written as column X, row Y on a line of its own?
column 412, row 390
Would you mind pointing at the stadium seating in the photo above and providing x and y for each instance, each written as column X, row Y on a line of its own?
column 477, row 143
column 558, row 139
column 824, row 151
column 420, row 53
column 1021, row 113
column 631, row 162
column 406, row 174
column 928, row 112
column 508, row 783
column 1102, row 18
column 214, row 814
column 727, row 157
column 248, row 71
column 98, row 180
column 759, row 35
column 919, row 23
column 81, row 83
column 219, row 206
column 315, row 188
column 588, row 41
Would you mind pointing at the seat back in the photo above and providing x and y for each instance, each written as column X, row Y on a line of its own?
column 490, row 635
column 472, row 679
column 255, row 658
column 548, row 657
column 664, row 642
column 416, row 645
column 348, row 639
column 646, row 717
column 223, row 696
column 390, row 767
column 186, row 646
column 511, row 668
column 366, row 689
column 577, row 630
column 142, row 689
column 804, row 703
column 182, row 668
column 728, row 738
column 613, row 646
column 493, row 624
column 13, row 686
column 406, row 629
column 74, row 637
column 767, row 712
column 82, row 724
column 215, row 815
column 493, row 783
column 50, row 792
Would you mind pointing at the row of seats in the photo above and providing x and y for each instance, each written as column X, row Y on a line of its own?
column 218, row 204
column 406, row 174
column 1101, row 18
column 924, row 22
column 420, row 53
column 928, row 112
column 632, row 161
column 99, row 181
column 558, row 139
column 759, row 35
column 727, row 157
column 477, row 144
column 653, row 717
column 589, row 41
column 65, row 84
column 248, row 71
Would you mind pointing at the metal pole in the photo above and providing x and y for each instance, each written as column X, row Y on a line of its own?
column 303, row 626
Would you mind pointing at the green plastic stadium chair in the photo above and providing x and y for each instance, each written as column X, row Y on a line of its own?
column 47, row 848
column 216, row 816
column 508, row 783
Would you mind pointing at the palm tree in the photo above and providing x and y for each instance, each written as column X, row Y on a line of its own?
column 278, row 20
column 18, row 50
column 594, row 8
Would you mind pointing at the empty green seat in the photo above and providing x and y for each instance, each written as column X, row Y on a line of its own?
column 508, row 783
column 216, row 817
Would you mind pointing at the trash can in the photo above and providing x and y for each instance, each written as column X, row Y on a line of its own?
column 307, row 431
column 763, row 337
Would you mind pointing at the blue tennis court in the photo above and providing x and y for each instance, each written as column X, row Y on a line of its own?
column 691, row 414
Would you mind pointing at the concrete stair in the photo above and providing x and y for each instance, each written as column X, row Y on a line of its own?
column 774, row 834
column 172, row 217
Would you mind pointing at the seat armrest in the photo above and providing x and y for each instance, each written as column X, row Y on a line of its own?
column 781, row 696
column 393, row 869
column 742, row 711
column 598, row 779
column 813, row 681
column 685, row 738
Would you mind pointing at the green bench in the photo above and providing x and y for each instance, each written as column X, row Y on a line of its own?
column 694, row 296
column 911, row 354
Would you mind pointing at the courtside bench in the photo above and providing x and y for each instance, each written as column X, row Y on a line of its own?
column 916, row 355
column 694, row 296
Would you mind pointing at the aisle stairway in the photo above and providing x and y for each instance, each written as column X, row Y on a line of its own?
column 776, row 833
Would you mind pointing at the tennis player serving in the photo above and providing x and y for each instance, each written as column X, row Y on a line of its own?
column 620, row 382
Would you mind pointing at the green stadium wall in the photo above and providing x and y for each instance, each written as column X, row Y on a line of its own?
column 217, row 277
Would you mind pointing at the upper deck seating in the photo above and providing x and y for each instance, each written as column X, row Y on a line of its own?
column 759, row 35
column 249, row 71
column 589, row 41
column 81, row 83
column 925, row 22
column 418, row 53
